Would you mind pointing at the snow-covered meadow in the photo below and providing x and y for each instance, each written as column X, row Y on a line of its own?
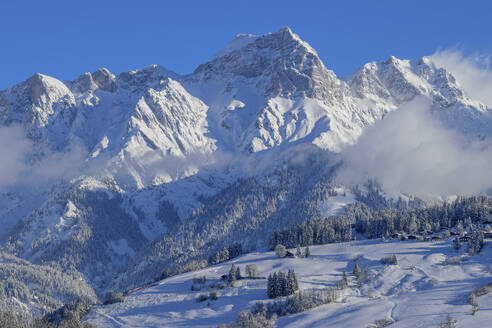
column 417, row 292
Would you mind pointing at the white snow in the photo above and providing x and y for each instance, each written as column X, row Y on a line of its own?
column 240, row 41
column 335, row 205
column 418, row 292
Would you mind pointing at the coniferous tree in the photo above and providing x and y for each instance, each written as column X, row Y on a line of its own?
column 357, row 270
column 275, row 283
column 232, row 276
column 456, row 243
column 270, row 287
column 295, row 280
column 472, row 299
column 235, row 250
column 282, row 283
column 238, row 273
column 307, row 252
column 298, row 251
column 292, row 283
column 344, row 281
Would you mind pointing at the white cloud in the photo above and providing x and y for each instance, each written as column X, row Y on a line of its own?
column 473, row 73
column 410, row 151
column 13, row 147
column 18, row 167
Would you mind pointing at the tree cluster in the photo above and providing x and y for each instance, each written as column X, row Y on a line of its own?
column 376, row 223
column 226, row 254
column 313, row 232
column 299, row 302
column 234, row 274
column 281, row 284
column 251, row 271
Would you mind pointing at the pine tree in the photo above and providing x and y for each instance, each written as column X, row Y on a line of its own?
column 357, row 270
column 472, row 299
column 298, row 251
column 232, row 277
column 275, row 286
column 282, row 283
column 289, row 290
column 238, row 273
column 270, row 287
column 295, row 281
column 456, row 243
column 307, row 252
column 292, row 283
column 344, row 282
column 222, row 256
column 360, row 280
column 366, row 273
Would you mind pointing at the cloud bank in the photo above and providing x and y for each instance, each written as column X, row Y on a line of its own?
column 18, row 167
column 13, row 147
column 410, row 151
column 473, row 72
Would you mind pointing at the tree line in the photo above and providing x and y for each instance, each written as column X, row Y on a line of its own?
column 374, row 221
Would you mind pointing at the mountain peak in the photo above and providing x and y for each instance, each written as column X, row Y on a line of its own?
column 104, row 79
column 284, row 62
column 40, row 85
column 147, row 76
column 286, row 33
column 285, row 29
column 279, row 40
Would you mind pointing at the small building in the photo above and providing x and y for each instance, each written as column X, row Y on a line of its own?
column 413, row 237
column 487, row 234
column 436, row 238
column 465, row 239
column 396, row 235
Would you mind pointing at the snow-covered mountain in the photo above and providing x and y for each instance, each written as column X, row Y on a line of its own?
column 258, row 93
column 153, row 148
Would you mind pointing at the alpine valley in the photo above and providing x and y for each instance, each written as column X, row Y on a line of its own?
column 125, row 180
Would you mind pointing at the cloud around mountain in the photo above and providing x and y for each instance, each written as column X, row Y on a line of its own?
column 472, row 72
column 410, row 151
column 19, row 167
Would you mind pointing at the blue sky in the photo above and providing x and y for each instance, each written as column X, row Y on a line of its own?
column 66, row 38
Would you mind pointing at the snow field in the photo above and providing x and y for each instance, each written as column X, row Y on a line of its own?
column 418, row 292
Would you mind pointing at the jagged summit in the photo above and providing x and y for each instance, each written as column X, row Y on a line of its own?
column 283, row 35
column 104, row 79
column 278, row 63
column 147, row 76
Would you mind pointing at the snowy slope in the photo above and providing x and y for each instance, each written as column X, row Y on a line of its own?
column 417, row 292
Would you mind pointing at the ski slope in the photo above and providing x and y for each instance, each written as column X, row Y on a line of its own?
column 417, row 292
